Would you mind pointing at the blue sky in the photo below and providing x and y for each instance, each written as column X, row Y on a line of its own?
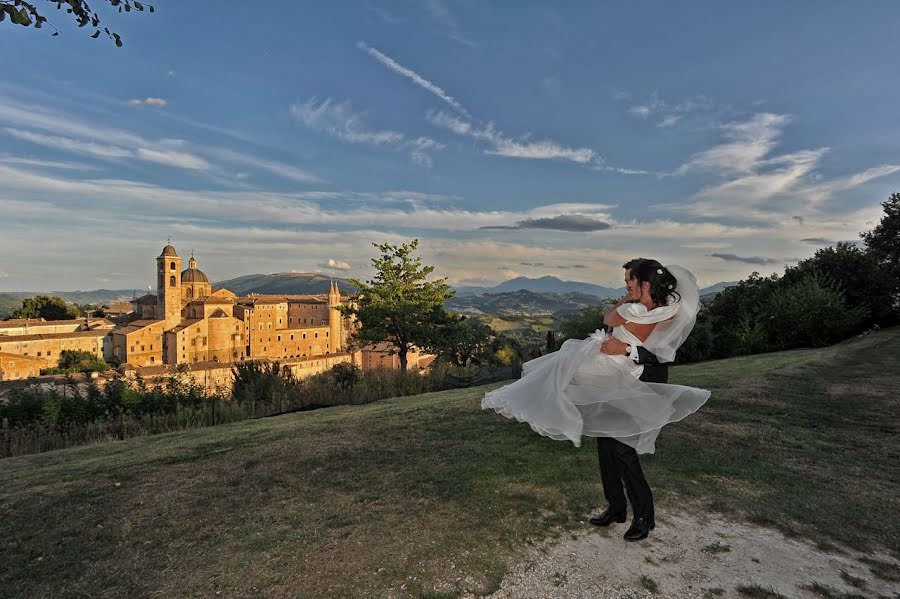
column 511, row 138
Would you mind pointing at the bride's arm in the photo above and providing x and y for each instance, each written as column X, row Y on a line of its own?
column 612, row 318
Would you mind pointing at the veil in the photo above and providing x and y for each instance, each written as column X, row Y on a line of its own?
column 668, row 336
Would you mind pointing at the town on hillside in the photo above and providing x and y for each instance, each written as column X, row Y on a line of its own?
column 191, row 328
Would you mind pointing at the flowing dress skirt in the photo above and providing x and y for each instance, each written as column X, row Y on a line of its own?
column 578, row 391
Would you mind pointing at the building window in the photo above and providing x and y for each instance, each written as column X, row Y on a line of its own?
column 279, row 337
column 292, row 337
column 304, row 335
column 143, row 348
column 39, row 354
column 152, row 359
column 172, row 266
column 171, row 281
column 317, row 335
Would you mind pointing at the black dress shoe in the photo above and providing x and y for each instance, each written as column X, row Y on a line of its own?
column 640, row 529
column 607, row 517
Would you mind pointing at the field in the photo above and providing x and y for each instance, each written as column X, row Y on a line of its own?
column 430, row 496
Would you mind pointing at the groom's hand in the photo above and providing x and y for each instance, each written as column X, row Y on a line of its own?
column 614, row 347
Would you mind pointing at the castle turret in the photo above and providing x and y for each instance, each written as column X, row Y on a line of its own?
column 334, row 319
column 168, row 286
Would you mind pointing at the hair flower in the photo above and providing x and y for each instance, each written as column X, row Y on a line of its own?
column 659, row 271
column 670, row 287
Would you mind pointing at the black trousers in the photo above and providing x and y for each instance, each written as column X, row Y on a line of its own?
column 620, row 465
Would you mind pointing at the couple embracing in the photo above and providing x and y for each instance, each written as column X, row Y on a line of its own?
column 613, row 386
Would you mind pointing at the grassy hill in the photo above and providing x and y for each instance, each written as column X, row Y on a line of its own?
column 430, row 496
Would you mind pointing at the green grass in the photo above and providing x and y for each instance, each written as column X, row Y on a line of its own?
column 430, row 496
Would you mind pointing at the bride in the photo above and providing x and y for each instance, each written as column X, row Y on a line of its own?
column 580, row 391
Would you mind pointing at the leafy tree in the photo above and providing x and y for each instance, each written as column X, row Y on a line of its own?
column 864, row 281
column 73, row 360
column 461, row 340
column 883, row 242
column 46, row 307
column 399, row 305
column 27, row 14
column 812, row 311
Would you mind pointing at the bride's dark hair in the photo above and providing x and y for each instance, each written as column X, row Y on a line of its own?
column 662, row 283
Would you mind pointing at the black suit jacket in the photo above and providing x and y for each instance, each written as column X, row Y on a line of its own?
column 654, row 372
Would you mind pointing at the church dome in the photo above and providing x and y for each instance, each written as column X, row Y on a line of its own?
column 169, row 251
column 193, row 275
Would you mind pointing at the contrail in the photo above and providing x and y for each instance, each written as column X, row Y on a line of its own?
column 414, row 77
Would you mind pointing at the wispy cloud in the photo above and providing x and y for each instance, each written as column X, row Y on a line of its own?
column 745, row 259
column 748, row 143
column 440, row 12
column 338, row 120
column 501, row 145
column 158, row 102
column 54, row 164
column 413, row 76
column 669, row 114
column 281, row 169
column 761, row 186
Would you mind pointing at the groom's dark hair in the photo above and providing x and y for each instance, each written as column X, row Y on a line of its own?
column 631, row 264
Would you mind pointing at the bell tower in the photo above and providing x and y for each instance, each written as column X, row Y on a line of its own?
column 168, row 286
column 334, row 319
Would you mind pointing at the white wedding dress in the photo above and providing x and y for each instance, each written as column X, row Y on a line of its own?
column 579, row 391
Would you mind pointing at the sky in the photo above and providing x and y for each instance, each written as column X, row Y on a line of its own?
column 510, row 138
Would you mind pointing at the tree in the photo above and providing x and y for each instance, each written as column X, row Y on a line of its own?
column 46, row 307
column 883, row 242
column 74, row 360
column 398, row 306
column 461, row 340
column 27, row 14
column 810, row 312
column 865, row 282
column 586, row 321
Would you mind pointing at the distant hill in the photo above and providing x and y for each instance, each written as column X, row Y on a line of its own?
column 97, row 296
column 711, row 291
column 546, row 284
column 285, row 283
column 522, row 303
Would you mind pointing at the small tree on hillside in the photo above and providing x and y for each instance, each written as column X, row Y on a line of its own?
column 398, row 305
column 461, row 340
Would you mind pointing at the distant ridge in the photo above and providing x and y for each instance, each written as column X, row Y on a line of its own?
column 284, row 283
column 546, row 284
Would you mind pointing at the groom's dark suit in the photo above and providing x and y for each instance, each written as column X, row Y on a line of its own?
column 619, row 463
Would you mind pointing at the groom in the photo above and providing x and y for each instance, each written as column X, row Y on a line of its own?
column 619, row 463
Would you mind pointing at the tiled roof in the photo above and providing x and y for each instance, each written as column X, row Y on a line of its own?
column 16, row 338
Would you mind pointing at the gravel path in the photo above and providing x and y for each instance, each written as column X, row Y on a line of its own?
column 689, row 556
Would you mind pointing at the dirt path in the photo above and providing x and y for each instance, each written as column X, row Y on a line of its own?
column 687, row 556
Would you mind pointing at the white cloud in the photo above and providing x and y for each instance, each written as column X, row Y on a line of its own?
column 763, row 187
column 173, row 158
column 501, row 145
column 413, row 76
column 281, row 169
column 671, row 114
column 333, row 264
column 337, row 119
column 69, row 144
column 749, row 142
column 159, row 102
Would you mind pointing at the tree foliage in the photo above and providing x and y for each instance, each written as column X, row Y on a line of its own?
column 463, row 341
column 46, row 307
column 72, row 361
column 27, row 14
column 399, row 305
column 883, row 242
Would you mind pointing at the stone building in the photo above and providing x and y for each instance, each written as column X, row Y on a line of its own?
column 187, row 323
